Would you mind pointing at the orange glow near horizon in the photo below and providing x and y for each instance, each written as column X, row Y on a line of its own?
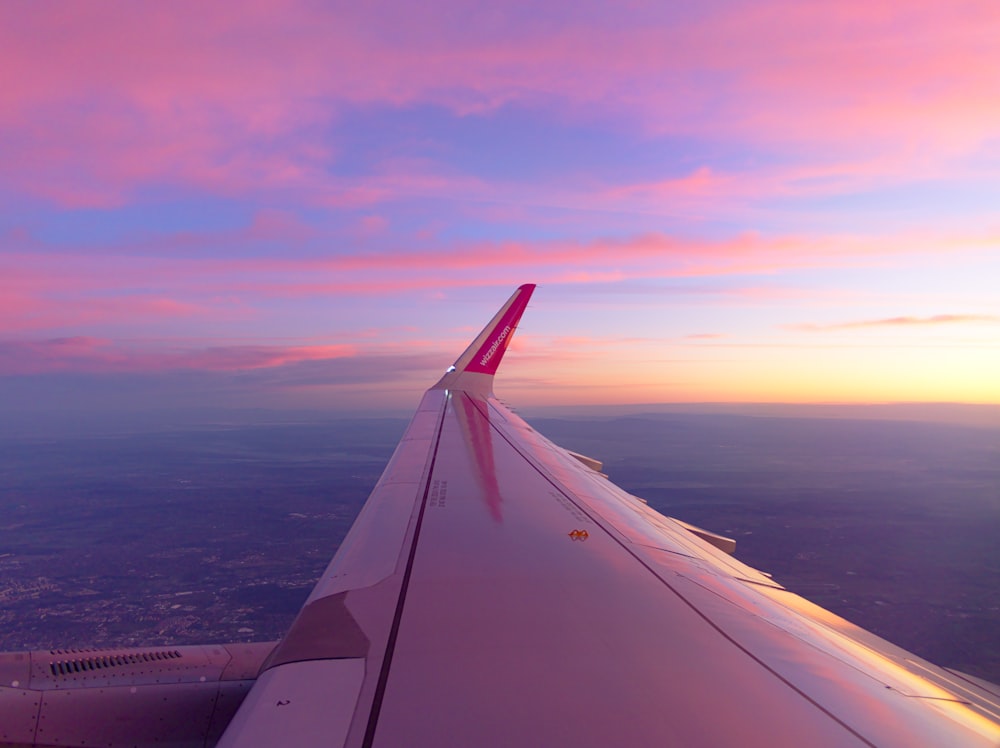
column 883, row 371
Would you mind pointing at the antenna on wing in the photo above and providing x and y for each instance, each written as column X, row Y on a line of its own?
column 474, row 369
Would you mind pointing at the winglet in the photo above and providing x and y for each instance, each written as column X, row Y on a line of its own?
column 474, row 369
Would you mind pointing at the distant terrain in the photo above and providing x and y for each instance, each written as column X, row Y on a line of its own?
column 892, row 525
column 217, row 533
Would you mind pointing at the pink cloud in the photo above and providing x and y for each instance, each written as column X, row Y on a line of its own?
column 96, row 355
column 66, row 292
column 371, row 225
column 279, row 225
column 712, row 191
column 41, row 303
column 153, row 98
column 913, row 73
column 57, row 354
column 240, row 358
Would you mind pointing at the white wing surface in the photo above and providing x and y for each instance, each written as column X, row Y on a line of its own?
column 497, row 590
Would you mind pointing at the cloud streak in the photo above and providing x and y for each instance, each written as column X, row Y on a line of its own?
column 150, row 280
column 99, row 356
column 932, row 321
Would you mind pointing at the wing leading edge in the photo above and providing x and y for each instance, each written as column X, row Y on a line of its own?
column 497, row 590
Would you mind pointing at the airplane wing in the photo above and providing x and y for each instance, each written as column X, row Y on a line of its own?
column 497, row 590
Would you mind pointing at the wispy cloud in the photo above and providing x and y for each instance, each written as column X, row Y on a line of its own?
column 94, row 355
column 937, row 319
column 160, row 278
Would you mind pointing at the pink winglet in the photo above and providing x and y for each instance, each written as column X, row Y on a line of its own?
column 473, row 371
column 487, row 357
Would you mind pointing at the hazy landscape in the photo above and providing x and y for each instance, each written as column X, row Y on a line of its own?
column 217, row 533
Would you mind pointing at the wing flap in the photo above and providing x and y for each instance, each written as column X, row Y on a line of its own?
column 290, row 708
column 724, row 544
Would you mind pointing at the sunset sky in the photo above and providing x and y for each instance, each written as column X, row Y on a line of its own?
column 317, row 205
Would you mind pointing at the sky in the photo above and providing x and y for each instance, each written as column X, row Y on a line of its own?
column 317, row 205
